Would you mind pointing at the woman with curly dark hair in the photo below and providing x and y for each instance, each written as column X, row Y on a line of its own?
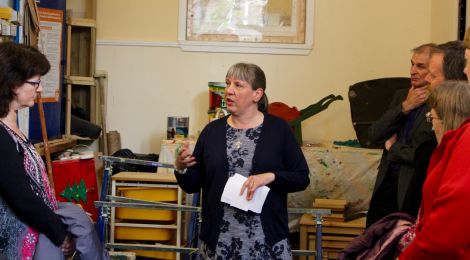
column 27, row 201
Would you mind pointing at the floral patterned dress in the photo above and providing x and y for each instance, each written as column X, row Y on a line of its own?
column 17, row 239
column 241, row 233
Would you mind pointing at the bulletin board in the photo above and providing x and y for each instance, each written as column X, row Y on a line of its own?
column 51, row 13
column 50, row 44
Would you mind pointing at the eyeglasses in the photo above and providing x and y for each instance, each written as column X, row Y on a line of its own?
column 35, row 84
column 429, row 117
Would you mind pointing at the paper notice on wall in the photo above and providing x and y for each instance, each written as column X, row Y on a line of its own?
column 50, row 44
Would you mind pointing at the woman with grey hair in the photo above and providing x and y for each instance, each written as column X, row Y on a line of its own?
column 442, row 227
column 261, row 148
column 441, row 230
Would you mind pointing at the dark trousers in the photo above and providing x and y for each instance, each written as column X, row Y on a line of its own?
column 384, row 201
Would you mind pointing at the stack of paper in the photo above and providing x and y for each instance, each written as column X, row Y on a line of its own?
column 231, row 195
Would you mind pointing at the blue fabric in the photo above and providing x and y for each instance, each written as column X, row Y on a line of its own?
column 46, row 250
column 405, row 138
column 80, row 226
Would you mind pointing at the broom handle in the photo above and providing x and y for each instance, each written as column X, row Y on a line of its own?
column 45, row 140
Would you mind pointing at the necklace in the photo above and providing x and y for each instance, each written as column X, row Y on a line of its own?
column 238, row 144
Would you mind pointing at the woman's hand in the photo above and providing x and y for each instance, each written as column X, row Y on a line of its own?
column 255, row 181
column 68, row 246
column 184, row 159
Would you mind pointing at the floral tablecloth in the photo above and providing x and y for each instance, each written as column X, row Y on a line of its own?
column 337, row 172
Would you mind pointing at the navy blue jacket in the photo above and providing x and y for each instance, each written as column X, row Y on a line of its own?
column 277, row 151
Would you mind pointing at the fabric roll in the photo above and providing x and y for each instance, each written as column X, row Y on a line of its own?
column 114, row 141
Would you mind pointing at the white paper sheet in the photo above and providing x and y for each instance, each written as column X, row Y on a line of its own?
column 231, row 195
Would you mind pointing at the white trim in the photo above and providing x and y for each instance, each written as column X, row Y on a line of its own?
column 137, row 43
column 266, row 48
column 241, row 47
column 244, row 47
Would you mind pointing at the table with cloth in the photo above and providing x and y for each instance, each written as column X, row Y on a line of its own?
column 337, row 172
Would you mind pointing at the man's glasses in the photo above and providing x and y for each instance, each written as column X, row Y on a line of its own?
column 35, row 84
column 429, row 117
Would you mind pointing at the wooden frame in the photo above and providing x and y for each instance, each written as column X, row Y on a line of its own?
column 80, row 66
column 284, row 27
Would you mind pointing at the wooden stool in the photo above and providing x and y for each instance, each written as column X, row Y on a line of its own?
column 336, row 234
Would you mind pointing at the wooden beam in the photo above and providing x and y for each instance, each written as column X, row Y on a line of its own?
column 56, row 145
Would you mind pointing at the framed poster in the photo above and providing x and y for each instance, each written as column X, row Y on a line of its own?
column 259, row 26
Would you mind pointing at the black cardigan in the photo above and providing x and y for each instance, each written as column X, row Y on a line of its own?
column 15, row 190
column 277, row 151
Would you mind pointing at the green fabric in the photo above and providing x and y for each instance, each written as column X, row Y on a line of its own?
column 76, row 192
column 310, row 111
column 350, row 143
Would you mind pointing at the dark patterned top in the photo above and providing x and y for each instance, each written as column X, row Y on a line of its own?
column 18, row 240
column 241, row 234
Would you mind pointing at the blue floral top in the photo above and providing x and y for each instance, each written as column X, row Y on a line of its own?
column 241, row 234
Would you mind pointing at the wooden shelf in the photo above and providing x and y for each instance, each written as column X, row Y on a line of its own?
column 336, row 235
column 80, row 68
column 79, row 80
column 82, row 22
column 56, row 145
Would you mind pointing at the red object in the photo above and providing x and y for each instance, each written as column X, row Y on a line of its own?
column 442, row 229
column 283, row 111
column 71, row 172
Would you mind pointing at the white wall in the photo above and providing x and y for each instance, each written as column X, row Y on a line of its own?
column 444, row 22
column 353, row 41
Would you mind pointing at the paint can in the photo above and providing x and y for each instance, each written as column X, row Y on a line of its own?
column 177, row 127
